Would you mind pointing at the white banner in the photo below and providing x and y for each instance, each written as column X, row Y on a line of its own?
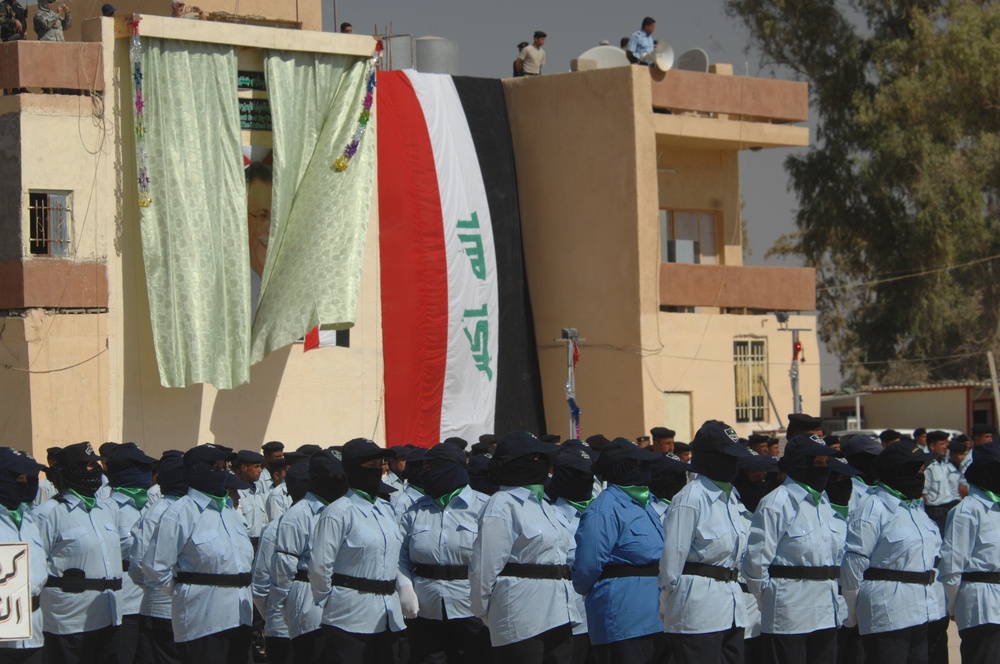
column 15, row 592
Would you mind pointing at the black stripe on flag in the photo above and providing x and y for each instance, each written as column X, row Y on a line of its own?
column 519, row 384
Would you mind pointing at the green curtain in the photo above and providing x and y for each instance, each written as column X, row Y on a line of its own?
column 194, row 233
column 319, row 217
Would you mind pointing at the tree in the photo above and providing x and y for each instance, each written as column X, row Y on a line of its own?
column 898, row 197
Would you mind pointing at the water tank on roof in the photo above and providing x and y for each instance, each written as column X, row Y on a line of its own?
column 437, row 55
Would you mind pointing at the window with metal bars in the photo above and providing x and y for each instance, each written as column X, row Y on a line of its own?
column 750, row 366
column 49, row 216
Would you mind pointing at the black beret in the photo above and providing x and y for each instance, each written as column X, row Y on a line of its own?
column 662, row 432
column 460, row 443
column 958, row 446
column 798, row 422
column 273, row 446
column 889, row 435
column 248, row 457
column 488, row 439
column 681, row 447
column 935, row 436
column 979, row 429
column 598, row 442
column 445, row 452
column 919, row 431
column 362, row 449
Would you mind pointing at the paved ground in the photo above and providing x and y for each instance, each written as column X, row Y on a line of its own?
column 954, row 656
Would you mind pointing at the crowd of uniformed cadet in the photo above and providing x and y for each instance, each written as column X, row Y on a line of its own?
column 521, row 550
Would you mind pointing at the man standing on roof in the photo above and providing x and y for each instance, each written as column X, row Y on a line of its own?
column 532, row 58
column 641, row 45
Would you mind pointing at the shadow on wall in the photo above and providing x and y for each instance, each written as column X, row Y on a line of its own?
column 240, row 416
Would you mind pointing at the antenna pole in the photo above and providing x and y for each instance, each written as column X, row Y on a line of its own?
column 571, row 339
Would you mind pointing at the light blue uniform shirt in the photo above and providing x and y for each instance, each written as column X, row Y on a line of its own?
column 516, row 528
column 616, row 530
column 401, row 500
column 972, row 544
column 359, row 539
column 155, row 602
column 860, row 492
column 37, row 570
column 128, row 516
column 886, row 532
column 265, row 596
column 433, row 536
column 396, row 482
column 752, row 630
column 252, row 509
column 702, row 525
column 153, row 495
column 569, row 517
column 277, row 502
column 964, row 466
column 640, row 43
column 291, row 554
column 791, row 528
column 941, row 479
column 46, row 490
column 74, row 538
column 195, row 536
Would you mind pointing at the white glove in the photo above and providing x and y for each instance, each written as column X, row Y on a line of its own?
column 408, row 601
column 664, row 598
column 951, row 593
column 851, row 599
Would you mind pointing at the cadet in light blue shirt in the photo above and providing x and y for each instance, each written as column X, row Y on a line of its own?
column 355, row 561
column 941, row 488
column 266, row 598
column 15, row 526
column 278, row 501
column 412, row 490
column 248, row 467
column 970, row 558
column 312, row 487
column 154, row 609
column 618, row 545
column 862, row 452
column 397, row 468
column 888, row 570
column 520, row 580
column 200, row 553
column 640, row 44
column 793, row 558
column 701, row 603
column 438, row 532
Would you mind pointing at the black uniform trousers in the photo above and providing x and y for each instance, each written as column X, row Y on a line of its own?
column 158, row 633
column 648, row 649
column 21, row 656
column 552, row 647
column 582, row 650
column 454, row 641
column 132, row 648
column 900, row 646
column 725, row 647
column 99, row 646
column 309, row 647
column 849, row 650
column 231, row 646
column 278, row 650
column 981, row 644
column 937, row 641
column 350, row 648
column 819, row 647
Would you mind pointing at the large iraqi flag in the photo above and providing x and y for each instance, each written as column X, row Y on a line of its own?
column 458, row 340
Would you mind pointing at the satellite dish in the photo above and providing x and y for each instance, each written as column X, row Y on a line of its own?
column 663, row 55
column 693, row 60
column 605, row 57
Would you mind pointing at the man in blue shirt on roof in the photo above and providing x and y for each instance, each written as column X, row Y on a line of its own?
column 641, row 45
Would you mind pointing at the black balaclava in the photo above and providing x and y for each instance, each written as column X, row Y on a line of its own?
column 360, row 478
column 628, row 472
column 718, row 467
column 171, row 477
column 130, row 475
column 326, row 477
column 443, row 477
column 76, row 477
column 29, row 489
column 479, row 475
column 866, row 464
column 839, row 488
column 202, row 478
column 297, row 481
column 570, row 483
column 984, row 475
column 905, row 478
column 666, row 485
column 524, row 470
column 412, row 473
column 10, row 492
column 801, row 469
column 751, row 491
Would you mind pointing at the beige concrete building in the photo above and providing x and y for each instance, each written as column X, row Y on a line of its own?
column 630, row 207
column 951, row 405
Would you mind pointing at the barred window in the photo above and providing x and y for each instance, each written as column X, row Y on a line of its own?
column 689, row 236
column 750, row 365
column 49, row 217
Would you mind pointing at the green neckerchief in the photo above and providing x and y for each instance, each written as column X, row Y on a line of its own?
column 840, row 509
column 138, row 495
column 89, row 503
column 219, row 501
column 639, row 494
column 989, row 494
column 17, row 515
column 906, row 501
column 727, row 487
column 365, row 495
column 417, row 489
column 442, row 501
column 817, row 495
column 321, row 499
column 536, row 489
column 580, row 505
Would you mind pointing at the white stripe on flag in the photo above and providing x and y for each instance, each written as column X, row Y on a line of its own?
column 469, row 400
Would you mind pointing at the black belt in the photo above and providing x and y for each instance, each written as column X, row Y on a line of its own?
column 804, row 572
column 442, row 572
column 221, row 580
column 531, row 571
column 36, row 603
column 254, row 542
column 945, row 506
column 371, row 586
column 981, row 577
column 77, row 584
column 621, row 570
column 744, row 587
column 301, row 575
column 900, row 576
column 711, row 571
column 125, row 565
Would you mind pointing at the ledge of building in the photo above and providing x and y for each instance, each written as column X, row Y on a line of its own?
column 693, row 131
column 52, row 283
column 756, row 99
column 35, row 65
column 738, row 287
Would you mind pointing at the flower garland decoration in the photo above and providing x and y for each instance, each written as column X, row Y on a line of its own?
column 141, row 157
column 344, row 160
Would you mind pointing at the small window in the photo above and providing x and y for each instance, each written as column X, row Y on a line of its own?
column 750, row 364
column 688, row 236
column 49, row 216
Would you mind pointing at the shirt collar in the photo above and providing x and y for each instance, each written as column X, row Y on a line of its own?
column 981, row 496
column 521, row 493
column 891, row 501
column 800, row 492
column 202, row 500
column 314, row 502
column 73, row 501
column 712, row 488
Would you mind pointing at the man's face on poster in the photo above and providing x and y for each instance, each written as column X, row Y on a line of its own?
column 258, row 222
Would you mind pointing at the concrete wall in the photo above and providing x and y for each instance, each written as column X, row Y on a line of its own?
column 942, row 408
column 15, row 385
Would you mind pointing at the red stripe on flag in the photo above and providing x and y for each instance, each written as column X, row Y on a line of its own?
column 311, row 340
column 414, row 267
